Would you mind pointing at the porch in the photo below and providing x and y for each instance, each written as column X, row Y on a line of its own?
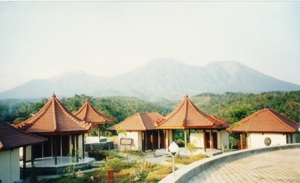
column 47, row 165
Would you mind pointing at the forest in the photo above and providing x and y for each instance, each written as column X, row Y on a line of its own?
column 230, row 106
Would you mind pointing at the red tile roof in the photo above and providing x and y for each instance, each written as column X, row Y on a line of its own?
column 266, row 120
column 188, row 116
column 54, row 118
column 11, row 137
column 89, row 114
column 139, row 122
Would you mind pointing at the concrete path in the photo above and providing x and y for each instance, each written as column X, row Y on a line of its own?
column 272, row 167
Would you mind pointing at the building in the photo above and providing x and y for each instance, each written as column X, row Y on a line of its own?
column 11, row 140
column 139, row 132
column 89, row 114
column 65, row 132
column 265, row 128
column 208, row 131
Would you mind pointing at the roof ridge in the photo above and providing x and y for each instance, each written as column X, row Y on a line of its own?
column 172, row 113
column 37, row 116
column 207, row 117
column 274, row 114
column 139, row 114
column 54, row 115
column 74, row 118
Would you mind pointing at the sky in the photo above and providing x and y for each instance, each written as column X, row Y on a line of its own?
column 40, row 40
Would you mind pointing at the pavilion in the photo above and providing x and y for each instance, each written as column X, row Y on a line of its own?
column 89, row 114
column 265, row 127
column 210, row 130
column 11, row 139
column 140, row 132
column 65, row 132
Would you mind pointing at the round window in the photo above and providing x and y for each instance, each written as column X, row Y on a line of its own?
column 267, row 141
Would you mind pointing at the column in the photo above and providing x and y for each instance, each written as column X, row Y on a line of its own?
column 158, row 137
column 60, row 145
column 24, row 163
column 185, row 139
column 241, row 141
column 55, row 150
column 77, row 155
column 83, row 146
column 204, row 139
column 211, row 139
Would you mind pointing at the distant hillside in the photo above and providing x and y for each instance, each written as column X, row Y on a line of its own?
column 235, row 106
column 161, row 78
column 230, row 106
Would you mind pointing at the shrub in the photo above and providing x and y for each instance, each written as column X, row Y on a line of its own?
column 98, row 155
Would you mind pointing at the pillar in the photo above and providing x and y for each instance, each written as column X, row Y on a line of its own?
column 83, row 146
column 158, row 137
column 241, row 141
column 211, row 140
column 185, row 139
column 55, row 150
column 24, row 163
column 73, row 145
column 204, row 139
column 60, row 139
column 77, row 148
column 167, row 140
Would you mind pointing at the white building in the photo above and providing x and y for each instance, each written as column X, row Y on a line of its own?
column 209, row 131
column 139, row 132
column 265, row 128
column 11, row 140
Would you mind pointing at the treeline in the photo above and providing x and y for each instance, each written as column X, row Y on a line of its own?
column 230, row 106
column 120, row 107
column 235, row 106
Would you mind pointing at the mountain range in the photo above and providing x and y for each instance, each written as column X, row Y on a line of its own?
column 160, row 78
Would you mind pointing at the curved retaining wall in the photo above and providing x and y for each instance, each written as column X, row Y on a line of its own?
column 187, row 172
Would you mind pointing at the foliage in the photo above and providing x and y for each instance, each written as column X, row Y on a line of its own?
column 230, row 106
column 235, row 106
column 188, row 159
column 98, row 155
column 192, row 148
column 33, row 175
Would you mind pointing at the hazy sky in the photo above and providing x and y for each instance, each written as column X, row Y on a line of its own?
column 44, row 39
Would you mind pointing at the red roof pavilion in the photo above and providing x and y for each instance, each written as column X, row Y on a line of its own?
column 266, row 120
column 188, row 116
column 139, row 122
column 89, row 114
column 54, row 118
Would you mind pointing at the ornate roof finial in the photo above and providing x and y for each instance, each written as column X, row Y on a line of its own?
column 53, row 95
column 186, row 95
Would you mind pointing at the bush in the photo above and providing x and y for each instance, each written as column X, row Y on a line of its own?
column 98, row 155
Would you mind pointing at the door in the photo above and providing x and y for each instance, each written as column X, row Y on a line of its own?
column 207, row 139
column 215, row 140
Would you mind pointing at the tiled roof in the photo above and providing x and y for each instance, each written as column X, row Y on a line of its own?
column 266, row 120
column 89, row 114
column 54, row 118
column 188, row 116
column 11, row 137
column 139, row 122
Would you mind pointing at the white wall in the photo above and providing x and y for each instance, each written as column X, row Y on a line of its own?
column 10, row 166
column 224, row 135
column 198, row 139
column 137, row 141
column 28, row 153
column 256, row 140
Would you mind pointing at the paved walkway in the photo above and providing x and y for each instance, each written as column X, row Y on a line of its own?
column 272, row 167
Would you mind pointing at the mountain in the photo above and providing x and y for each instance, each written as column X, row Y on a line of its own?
column 160, row 78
